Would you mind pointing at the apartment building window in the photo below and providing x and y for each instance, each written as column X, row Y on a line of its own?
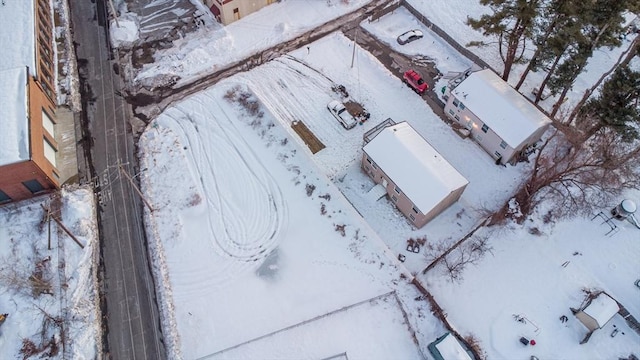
column 397, row 189
column 415, row 209
column 462, row 107
column 48, row 124
column 33, row 185
column 49, row 152
column 394, row 198
column 236, row 14
column 485, row 128
column 4, row 197
column 413, row 218
column 46, row 89
column 503, row 145
column 46, row 75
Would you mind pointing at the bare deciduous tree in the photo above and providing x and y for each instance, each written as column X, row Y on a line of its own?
column 578, row 176
column 470, row 252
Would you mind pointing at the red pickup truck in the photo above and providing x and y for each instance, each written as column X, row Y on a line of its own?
column 415, row 81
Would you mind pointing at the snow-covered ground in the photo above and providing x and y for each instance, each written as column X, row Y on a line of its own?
column 70, row 271
column 250, row 246
column 251, row 242
column 215, row 47
column 540, row 276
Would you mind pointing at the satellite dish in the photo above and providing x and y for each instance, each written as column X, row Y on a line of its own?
column 628, row 206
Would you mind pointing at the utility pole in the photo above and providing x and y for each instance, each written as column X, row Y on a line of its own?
column 115, row 14
column 59, row 222
column 355, row 39
column 126, row 174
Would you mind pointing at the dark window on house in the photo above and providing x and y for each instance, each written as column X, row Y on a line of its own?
column 4, row 197
column 397, row 189
column 498, row 155
column 415, row 209
column 485, row 128
column 503, row 145
column 33, row 186
column 451, row 112
column 457, row 117
column 456, row 102
column 394, row 198
column 374, row 165
column 236, row 14
column 369, row 160
column 461, row 106
column 413, row 218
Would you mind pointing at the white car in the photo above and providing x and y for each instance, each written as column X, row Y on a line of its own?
column 409, row 36
column 337, row 109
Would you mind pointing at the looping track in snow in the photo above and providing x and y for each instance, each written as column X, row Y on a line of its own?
column 246, row 210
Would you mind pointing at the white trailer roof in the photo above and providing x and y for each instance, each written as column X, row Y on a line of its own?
column 414, row 166
column 501, row 107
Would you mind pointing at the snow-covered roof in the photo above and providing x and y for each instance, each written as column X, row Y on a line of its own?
column 414, row 166
column 602, row 309
column 14, row 122
column 17, row 34
column 450, row 349
column 500, row 106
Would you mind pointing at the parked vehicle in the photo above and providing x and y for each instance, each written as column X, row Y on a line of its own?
column 337, row 109
column 409, row 36
column 415, row 81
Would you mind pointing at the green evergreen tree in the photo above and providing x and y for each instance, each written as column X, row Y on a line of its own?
column 554, row 16
column 602, row 25
column 563, row 42
column 616, row 106
column 512, row 22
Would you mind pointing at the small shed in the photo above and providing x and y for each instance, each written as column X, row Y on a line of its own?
column 598, row 311
column 447, row 347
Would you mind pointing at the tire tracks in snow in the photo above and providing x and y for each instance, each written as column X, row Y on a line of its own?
column 245, row 206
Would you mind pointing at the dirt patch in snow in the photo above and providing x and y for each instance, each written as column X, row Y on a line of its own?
column 307, row 136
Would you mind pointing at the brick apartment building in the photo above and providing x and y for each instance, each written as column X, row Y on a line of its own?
column 28, row 149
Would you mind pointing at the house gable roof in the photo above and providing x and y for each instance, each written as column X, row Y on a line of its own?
column 414, row 166
column 499, row 106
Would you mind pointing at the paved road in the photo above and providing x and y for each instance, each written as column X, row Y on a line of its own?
column 130, row 313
